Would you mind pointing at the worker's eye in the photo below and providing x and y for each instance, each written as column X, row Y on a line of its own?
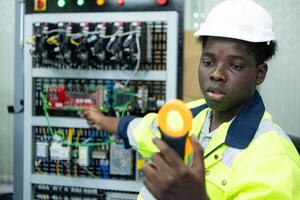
column 207, row 63
column 236, row 66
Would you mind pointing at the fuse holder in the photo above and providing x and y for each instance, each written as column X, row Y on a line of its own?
column 84, row 156
column 42, row 149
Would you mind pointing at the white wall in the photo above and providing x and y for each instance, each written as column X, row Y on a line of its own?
column 281, row 90
column 6, row 88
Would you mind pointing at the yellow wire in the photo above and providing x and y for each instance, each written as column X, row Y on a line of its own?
column 44, row 131
column 31, row 40
column 70, row 135
column 74, row 42
column 52, row 40
column 75, row 168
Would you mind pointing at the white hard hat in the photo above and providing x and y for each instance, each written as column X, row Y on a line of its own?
column 238, row 19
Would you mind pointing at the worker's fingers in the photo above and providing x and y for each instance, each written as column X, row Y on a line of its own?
column 151, row 177
column 96, row 126
column 90, row 114
column 150, row 186
column 198, row 161
column 161, row 166
column 90, row 122
column 85, row 111
column 90, row 108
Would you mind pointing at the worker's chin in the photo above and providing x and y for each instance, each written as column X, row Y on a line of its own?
column 217, row 105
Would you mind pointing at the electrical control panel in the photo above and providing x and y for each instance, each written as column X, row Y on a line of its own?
column 103, row 54
column 65, row 97
column 78, row 152
column 114, row 45
column 47, row 192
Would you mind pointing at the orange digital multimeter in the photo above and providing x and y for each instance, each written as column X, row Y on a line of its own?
column 176, row 137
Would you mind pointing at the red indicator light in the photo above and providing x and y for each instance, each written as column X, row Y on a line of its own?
column 120, row 2
column 162, row 2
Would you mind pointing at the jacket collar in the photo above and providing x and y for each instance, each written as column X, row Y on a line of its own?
column 243, row 128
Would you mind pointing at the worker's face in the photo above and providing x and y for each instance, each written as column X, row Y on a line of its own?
column 228, row 74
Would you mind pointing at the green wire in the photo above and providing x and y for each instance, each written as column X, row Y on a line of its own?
column 61, row 133
column 88, row 144
column 126, row 93
column 124, row 108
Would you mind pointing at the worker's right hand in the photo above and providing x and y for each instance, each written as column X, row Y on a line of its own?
column 93, row 117
column 168, row 177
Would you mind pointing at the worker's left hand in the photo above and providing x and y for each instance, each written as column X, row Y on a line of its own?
column 167, row 177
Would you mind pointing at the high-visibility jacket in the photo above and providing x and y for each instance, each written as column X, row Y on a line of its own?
column 247, row 158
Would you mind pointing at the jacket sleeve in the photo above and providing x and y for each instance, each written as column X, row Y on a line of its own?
column 139, row 132
column 143, row 134
column 123, row 129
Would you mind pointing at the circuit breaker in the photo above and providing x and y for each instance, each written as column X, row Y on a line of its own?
column 121, row 57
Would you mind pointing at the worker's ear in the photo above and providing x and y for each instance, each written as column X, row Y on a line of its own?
column 261, row 73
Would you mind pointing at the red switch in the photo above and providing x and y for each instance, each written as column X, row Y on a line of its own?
column 120, row 2
column 162, row 2
column 40, row 5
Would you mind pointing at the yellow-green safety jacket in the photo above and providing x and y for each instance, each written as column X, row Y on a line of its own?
column 249, row 157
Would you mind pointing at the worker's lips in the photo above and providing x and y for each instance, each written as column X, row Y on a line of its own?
column 215, row 94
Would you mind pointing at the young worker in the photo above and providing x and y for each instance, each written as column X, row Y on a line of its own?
column 246, row 155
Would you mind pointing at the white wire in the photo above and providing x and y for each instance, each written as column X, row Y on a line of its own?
column 113, row 35
column 137, row 66
column 56, row 31
column 127, row 33
column 77, row 35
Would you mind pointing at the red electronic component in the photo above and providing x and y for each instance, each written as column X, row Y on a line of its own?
column 120, row 2
column 40, row 5
column 61, row 94
column 58, row 98
column 162, row 2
